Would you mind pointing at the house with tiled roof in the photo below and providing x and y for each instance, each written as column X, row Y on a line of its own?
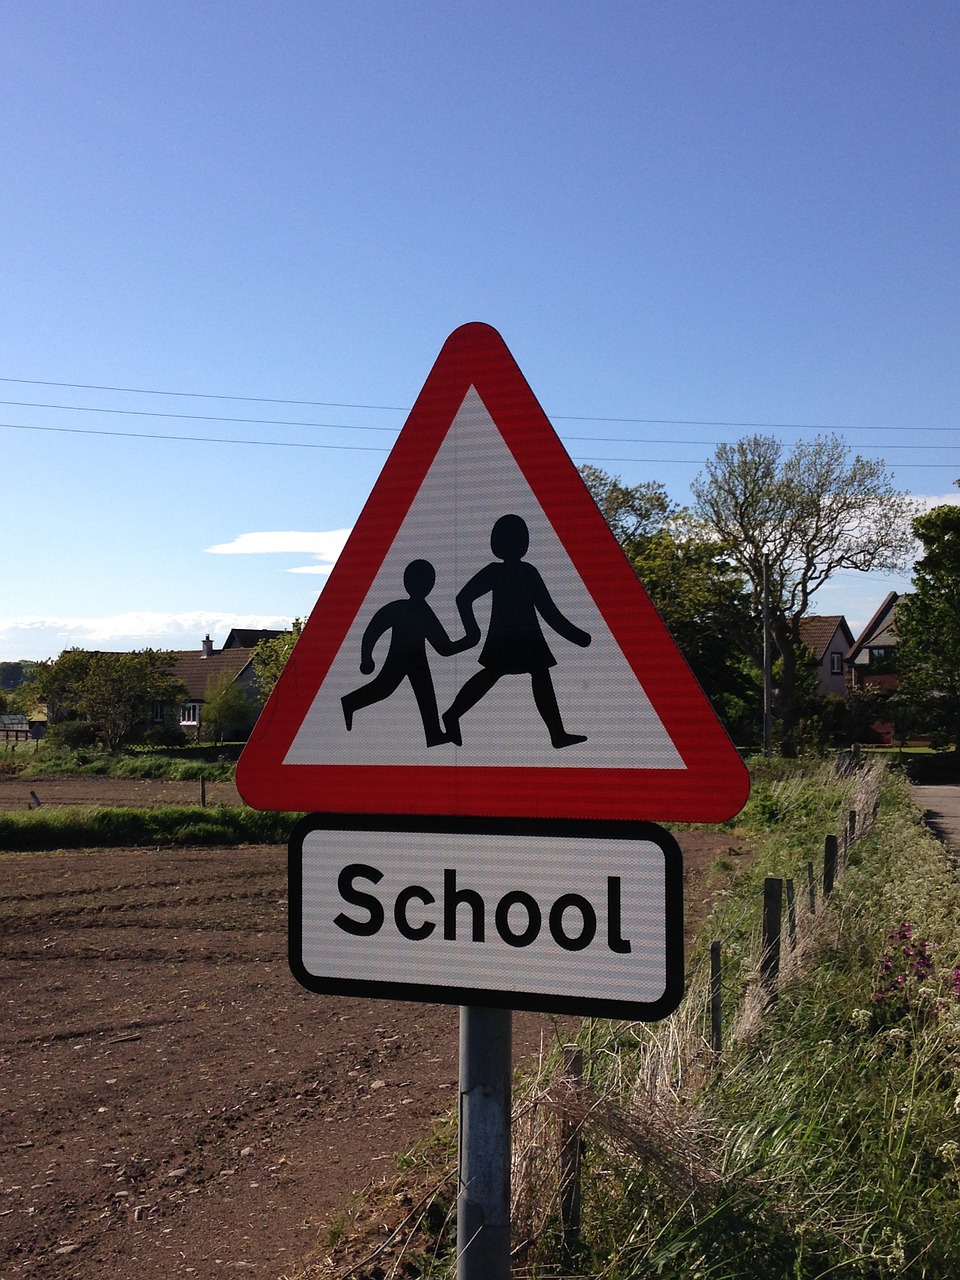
column 201, row 670
column 871, row 660
column 829, row 639
column 872, row 663
column 248, row 638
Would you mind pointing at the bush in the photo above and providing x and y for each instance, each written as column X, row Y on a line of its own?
column 53, row 827
column 165, row 735
column 72, row 734
column 186, row 764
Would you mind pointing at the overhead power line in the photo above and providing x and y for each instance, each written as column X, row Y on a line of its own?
column 394, row 408
column 203, row 395
column 156, row 435
column 192, row 417
column 361, row 448
column 343, row 426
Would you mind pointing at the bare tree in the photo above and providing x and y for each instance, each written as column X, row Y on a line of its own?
column 811, row 512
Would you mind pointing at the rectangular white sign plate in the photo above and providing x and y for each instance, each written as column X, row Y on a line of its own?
column 564, row 916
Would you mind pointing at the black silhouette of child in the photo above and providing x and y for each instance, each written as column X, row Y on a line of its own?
column 412, row 624
column 515, row 642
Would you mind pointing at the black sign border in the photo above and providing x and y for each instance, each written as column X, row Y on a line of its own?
column 430, row 993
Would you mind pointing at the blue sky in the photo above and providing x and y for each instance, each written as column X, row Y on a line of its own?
column 676, row 214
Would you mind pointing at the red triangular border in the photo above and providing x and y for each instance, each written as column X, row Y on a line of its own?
column 713, row 786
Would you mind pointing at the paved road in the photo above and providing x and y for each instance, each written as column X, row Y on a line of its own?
column 941, row 812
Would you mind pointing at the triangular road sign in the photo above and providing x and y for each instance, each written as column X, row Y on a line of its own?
column 483, row 646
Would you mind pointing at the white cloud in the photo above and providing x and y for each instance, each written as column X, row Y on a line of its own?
column 38, row 637
column 941, row 500
column 857, row 595
column 325, row 547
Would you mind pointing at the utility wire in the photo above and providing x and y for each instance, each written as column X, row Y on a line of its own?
column 154, row 435
column 350, row 426
column 204, row 395
column 194, row 417
column 361, row 448
column 395, row 408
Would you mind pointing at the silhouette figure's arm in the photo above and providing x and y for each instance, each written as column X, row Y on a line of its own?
column 477, row 586
column 553, row 617
column 438, row 638
column 378, row 625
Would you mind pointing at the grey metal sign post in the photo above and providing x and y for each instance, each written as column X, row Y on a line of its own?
column 483, row 1199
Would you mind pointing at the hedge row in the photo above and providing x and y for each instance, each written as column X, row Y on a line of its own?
column 80, row 827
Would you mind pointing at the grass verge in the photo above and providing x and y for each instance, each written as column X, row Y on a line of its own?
column 189, row 764
column 824, row 1140
column 80, row 827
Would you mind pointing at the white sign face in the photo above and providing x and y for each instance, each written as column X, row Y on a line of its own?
column 578, row 917
column 472, row 483
column 483, row 646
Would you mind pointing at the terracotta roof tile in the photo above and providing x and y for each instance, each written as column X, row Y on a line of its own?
column 816, row 632
column 197, row 669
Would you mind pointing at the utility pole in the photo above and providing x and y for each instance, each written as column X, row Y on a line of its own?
column 767, row 666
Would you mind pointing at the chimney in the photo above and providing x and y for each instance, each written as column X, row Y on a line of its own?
column 207, row 647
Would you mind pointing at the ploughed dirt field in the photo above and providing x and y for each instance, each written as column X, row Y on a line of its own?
column 15, row 792
column 172, row 1103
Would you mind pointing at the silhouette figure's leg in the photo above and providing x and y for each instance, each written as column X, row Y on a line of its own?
column 380, row 687
column 422, row 684
column 479, row 684
column 545, row 697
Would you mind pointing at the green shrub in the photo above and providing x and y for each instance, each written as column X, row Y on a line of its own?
column 189, row 766
column 165, row 735
column 71, row 734
column 53, row 827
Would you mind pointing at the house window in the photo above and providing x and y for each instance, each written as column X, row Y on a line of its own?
column 158, row 716
column 836, row 664
column 190, row 713
column 878, row 653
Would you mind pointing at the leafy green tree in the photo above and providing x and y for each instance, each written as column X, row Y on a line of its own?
column 114, row 692
column 58, row 683
column 16, row 687
column 696, row 589
column 928, row 627
column 14, row 674
column 226, row 712
column 810, row 513
column 635, row 513
column 270, row 657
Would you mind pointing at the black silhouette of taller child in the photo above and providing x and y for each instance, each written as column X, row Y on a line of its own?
column 412, row 625
column 515, row 643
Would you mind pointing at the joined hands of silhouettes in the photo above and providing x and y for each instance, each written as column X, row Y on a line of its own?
column 514, row 643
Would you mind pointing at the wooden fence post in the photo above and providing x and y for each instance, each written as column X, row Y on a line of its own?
column 852, row 824
column 772, row 912
column 812, row 889
column 791, row 915
column 829, row 864
column 716, row 1007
